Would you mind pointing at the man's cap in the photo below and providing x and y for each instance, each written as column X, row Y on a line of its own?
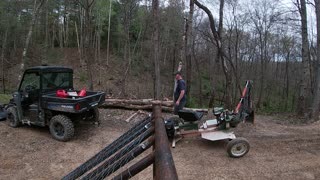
column 177, row 72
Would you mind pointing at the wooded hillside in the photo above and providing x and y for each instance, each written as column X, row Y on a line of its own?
column 130, row 48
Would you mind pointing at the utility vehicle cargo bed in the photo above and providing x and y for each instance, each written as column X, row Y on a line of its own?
column 72, row 104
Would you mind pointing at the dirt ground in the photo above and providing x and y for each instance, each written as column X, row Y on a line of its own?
column 278, row 151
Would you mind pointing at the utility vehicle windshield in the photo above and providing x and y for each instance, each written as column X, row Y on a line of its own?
column 56, row 80
column 31, row 80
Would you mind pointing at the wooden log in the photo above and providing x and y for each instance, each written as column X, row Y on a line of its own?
column 134, row 107
column 136, row 102
column 142, row 104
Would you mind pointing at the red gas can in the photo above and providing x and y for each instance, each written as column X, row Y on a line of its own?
column 61, row 93
column 82, row 93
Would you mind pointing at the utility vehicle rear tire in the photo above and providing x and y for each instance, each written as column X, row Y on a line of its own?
column 12, row 119
column 61, row 128
column 237, row 148
column 93, row 115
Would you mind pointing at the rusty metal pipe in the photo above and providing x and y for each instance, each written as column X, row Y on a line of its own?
column 121, row 153
column 164, row 164
column 124, row 160
column 109, row 150
column 136, row 168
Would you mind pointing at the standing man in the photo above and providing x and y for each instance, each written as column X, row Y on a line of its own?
column 179, row 93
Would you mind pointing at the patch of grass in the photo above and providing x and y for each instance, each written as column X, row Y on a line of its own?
column 278, row 104
column 5, row 98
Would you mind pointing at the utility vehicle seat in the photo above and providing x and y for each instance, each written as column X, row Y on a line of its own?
column 189, row 115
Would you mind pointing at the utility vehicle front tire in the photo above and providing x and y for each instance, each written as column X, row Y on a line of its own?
column 13, row 120
column 61, row 128
column 237, row 148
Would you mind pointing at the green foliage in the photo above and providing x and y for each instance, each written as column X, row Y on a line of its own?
column 276, row 103
column 116, row 28
column 5, row 98
column 101, row 10
column 191, row 103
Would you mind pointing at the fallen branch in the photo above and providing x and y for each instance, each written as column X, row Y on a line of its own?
column 133, row 115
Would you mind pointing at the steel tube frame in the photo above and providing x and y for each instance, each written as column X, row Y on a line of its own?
column 136, row 168
column 109, row 150
column 164, row 164
column 124, row 160
column 120, row 154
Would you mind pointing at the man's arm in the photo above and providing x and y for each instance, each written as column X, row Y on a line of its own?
column 180, row 97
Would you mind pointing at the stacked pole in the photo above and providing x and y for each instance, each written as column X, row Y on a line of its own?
column 149, row 132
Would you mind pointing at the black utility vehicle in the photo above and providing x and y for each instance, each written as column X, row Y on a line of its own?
column 36, row 102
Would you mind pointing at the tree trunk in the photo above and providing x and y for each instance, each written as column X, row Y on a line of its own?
column 127, row 47
column 287, row 82
column 99, row 47
column 156, row 48
column 36, row 8
column 228, row 90
column 88, row 49
column 78, row 42
column 261, row 74
column 212, row 80
column 4, row 44
column 66, row 24
column 127, row 55
column 53, row 34
column 188, row 48
column 46, row 41
column 303, row 102
column 141, row 104
column 221, row 53
column 136, row 102
column 316, row 99
column 198, row 73
column 60, row 27
column 87, row 36
column 109, row 26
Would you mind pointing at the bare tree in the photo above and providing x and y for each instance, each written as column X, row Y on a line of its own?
column 128, row 8
column 86, row 38
column 3, row 48
column 264, row 16
column 156, row 48
column 316, row 99
column 36, row 7
column 305, row 89
column 188, row 47
column 109, row 26
column 221, row 53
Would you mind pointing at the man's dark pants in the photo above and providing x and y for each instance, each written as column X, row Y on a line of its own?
column 179, row 107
